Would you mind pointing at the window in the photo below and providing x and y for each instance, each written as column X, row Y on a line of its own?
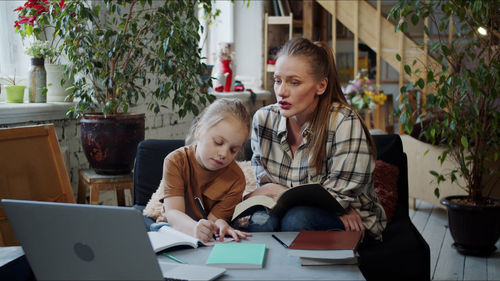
column 12, row 56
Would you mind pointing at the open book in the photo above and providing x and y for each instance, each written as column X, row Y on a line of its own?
column 167, row 237
column 307, row 194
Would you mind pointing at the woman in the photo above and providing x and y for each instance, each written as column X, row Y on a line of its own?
column 312, row 135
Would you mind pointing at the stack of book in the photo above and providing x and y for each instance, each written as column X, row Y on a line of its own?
column 325, row 247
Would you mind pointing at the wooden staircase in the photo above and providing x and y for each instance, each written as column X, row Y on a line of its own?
column 378, row 33
column 367, row 24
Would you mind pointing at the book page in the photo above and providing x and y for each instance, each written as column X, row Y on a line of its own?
column 259, row 200
column 168, row 236
column 179, row 235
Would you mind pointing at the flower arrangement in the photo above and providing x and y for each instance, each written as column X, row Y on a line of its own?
column 37, row 20
column 41, row 49
column 224, row 51
column 361, row 95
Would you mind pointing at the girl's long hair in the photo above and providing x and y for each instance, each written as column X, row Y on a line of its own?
column 320, row 58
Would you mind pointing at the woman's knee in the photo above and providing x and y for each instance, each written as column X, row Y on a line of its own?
column 261, row 221
column 298, row 218
column 310, row 218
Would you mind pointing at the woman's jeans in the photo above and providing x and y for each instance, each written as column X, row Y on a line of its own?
column 295, row 219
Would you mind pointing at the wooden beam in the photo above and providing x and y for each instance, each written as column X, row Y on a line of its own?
column 379, row 44
column 266, row 32
column 334, row 31
column 379, row 112
column 356, row 34
column 307, row 20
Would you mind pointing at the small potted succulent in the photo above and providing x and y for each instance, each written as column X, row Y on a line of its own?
column 14, row 91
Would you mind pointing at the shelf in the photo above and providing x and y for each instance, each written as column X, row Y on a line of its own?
column 270, row 68
column 272, row 20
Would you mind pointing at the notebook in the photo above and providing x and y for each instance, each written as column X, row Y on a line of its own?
column 65, row 241
column 237, row 255
column 168, row 237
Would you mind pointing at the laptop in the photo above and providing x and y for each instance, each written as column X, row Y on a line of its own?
column 64, row 241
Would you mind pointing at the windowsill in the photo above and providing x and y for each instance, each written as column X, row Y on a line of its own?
column 260, row 95
column 25, row 112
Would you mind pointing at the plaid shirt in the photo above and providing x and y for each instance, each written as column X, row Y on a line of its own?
column 348, row 165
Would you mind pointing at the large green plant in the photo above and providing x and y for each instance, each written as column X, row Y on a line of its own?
column 126, row 49
column 462, row 109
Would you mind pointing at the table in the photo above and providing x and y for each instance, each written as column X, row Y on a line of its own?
column 96, row 182
column 277, row 264
column 13, row 264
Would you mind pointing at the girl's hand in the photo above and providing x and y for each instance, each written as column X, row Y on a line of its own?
column 205, row 230
column 352, row 221
column 225, row 229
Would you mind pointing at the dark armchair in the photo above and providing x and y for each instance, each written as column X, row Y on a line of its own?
column 403, row 254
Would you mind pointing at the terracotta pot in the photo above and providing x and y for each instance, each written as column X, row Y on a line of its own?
column 110, row 143
column 475, row 229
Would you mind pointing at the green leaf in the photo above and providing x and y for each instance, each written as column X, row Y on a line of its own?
column 414, row 19
column 436, row 193
column 464, row 142
column 420, row 83
column 407, row 69
column 398, row 57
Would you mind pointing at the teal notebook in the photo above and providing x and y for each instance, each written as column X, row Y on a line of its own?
column 237, row 255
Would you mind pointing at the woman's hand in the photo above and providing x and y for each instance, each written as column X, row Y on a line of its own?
column 352, row 221
column 269, row 189
column 226, row 229
column 205, row 230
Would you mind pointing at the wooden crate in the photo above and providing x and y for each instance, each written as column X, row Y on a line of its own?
column 31, row 168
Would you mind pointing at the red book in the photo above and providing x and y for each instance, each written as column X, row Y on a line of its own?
column 325, row 244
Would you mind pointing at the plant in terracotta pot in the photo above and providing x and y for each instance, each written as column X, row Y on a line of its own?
column 123, row 51
column 462, row 111
column 13, row 91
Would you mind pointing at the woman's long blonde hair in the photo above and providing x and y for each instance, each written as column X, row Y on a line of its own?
column 320, row 58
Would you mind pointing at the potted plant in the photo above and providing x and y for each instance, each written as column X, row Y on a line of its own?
column 121, row 51
column 37, row 76
column 14, row 92
column 37, row 21
column 462, row 112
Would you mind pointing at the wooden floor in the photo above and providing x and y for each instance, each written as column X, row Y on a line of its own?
column 446, row 262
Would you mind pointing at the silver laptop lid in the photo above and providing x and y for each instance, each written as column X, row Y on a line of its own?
column 65, row 241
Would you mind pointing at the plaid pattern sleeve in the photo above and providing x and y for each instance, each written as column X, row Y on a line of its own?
column 348, row 167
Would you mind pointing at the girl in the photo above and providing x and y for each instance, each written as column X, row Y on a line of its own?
column 207, row 170
column 312, row 135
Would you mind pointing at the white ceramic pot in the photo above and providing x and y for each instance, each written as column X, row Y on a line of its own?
column 55, row 91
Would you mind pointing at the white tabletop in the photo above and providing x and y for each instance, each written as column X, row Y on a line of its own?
column 277, row 264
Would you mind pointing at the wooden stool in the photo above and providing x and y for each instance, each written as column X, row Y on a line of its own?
column 96, row 182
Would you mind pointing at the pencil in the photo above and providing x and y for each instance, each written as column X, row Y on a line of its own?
column 173, row 258
column 277, row 239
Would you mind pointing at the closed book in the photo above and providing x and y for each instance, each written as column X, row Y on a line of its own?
column 316, row 261
column 308, row 194
column 325, row 244
column 237, row 255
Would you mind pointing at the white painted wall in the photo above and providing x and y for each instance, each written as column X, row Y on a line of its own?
column 248, row 39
